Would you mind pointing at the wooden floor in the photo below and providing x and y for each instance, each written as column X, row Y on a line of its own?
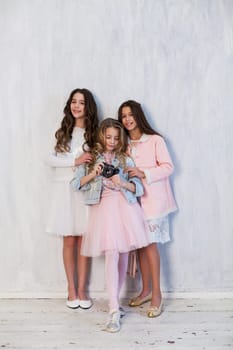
column 48, row 324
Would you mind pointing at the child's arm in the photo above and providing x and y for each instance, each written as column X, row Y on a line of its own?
column 118, row 182
column 81, row 179
column 134, row 171
column 162, row 168
column 85, row 157
column 60, row 160
column 95, row 172
column 66, row 159
column 132, row 184
column 139, row 189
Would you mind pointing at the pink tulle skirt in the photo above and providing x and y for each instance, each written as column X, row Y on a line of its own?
column 114, row 224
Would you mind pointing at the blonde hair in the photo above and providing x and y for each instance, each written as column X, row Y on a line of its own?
column 99, row 148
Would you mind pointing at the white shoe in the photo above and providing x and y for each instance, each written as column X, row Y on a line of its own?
column 113, row 323
column 85, row 304
column 73, row 304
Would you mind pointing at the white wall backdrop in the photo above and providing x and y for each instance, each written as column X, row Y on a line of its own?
column 176, row 58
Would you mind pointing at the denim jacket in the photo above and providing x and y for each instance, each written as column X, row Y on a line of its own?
column 94, row 188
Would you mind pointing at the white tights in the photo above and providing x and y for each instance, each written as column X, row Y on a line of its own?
column 115, row 271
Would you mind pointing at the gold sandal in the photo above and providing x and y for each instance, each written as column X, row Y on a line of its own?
column 137, row 301
column 154, row 311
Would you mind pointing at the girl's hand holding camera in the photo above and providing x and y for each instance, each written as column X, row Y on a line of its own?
column 97, row 170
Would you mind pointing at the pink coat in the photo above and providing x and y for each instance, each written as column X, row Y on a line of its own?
column 151, row 155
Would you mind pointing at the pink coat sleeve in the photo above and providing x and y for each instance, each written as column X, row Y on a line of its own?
column 163, row 167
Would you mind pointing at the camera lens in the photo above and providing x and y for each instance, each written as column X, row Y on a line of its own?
column 108, row 170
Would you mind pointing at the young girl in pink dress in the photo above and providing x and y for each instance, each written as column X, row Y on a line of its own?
column 116, row 223
column 153, row 167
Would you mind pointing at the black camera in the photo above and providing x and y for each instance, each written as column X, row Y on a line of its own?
column 108, row 170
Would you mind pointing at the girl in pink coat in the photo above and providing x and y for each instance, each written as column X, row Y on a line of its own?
column 153, row 167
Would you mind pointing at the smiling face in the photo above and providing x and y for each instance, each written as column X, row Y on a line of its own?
column 128, row 120
column 77, row 107
column 112, row 137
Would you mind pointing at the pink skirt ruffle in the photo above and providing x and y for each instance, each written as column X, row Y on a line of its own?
column 114, row 224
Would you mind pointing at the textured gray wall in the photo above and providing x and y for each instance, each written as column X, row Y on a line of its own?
column 176, row 58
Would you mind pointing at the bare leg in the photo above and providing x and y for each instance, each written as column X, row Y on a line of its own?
column 154, row 267
column 145, row 272
column 69, row 243
column 83, row 268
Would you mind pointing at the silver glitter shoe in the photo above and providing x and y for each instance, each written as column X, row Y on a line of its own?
column 113, row 323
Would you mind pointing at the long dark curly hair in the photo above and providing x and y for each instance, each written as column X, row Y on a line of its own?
column 64, row 134
column 139, row 117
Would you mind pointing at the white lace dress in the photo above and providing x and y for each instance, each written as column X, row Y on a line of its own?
column 67, row 214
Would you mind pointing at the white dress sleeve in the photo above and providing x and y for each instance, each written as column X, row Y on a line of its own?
column 67, row 159
column 61, row 160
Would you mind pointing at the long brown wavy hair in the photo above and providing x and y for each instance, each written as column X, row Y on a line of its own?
column 64, row 134
column 99, row 148
column 139, row 117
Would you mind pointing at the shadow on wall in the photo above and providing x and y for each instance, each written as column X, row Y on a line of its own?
column 165, row 260
column 165, row 249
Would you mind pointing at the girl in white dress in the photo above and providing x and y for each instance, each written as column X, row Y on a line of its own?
column 68, row 214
